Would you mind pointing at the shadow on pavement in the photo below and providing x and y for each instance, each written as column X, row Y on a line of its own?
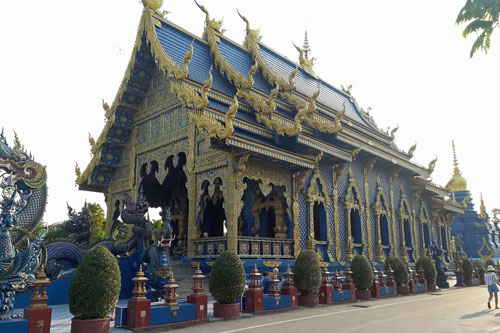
column 476, row 314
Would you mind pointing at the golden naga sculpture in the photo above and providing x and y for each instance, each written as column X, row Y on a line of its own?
column 347, row 89
column 356, row 152
column 107, row 109
column 78, row 172
column 93, row 146
column 214, row 24
column 393, row 132
column 254, row 33
column 252, row 45
column 183, row 74
column 212, row 126
column 305, row 63
column 258, row 103
column 495, row 211
column 432, row 165
column 154, row 5
column 411, row 151
column 465, row 201
column 328, row 127
column 190, row 97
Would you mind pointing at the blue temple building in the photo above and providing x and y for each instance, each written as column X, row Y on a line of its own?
column 474, row 232
column 256, row 154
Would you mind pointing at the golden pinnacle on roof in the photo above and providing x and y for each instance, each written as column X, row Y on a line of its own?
column 482, row 209
column 457, row 181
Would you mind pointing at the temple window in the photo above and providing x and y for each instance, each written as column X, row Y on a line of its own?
column 406, row 237
column 381, row 214
column 354, row 210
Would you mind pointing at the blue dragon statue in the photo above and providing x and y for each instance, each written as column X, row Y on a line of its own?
column 23, row 198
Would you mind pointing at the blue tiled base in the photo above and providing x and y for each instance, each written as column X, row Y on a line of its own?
column 386, row 291
column 121, row 316
column 342, row 295
column 14, row 326
column 161, row 314
column 272, row 303
column 420, row 288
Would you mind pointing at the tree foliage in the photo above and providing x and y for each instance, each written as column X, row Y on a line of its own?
column 428, row 267
column 482, row 17
column 400, row 271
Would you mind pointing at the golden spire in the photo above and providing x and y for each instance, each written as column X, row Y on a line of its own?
column 457, row 181
column 482, row 208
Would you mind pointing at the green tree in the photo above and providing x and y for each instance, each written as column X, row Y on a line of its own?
column 482, row 17
column 97, row 221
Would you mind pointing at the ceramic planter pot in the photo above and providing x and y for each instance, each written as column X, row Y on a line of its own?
column 90, row 325
column 404, row 290
column 363, row 294
column 308, row 301
column 227, row 310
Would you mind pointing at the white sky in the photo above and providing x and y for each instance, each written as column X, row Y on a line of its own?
column 405, row 59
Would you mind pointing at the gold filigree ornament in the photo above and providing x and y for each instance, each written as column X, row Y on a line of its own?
column 411, row 151
column 212, row 24
column 393, row 132
column 485, row 251
column 214, row 128
column 432, row 165
column 271, row 264
column 252, row 45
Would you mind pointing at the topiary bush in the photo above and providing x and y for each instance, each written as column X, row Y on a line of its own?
column 481, row 269
column 428, row 267
column 95, row 287
column 362, row 274
column 307, row 273
column 400, row 272
column 467, row 267
column 227, row 278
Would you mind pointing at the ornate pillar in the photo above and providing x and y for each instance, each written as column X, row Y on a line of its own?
column 297, row 182
column 392, row 177
column 368, row 167
column 193, row 229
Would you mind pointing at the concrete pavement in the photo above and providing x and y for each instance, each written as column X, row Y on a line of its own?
column 446, row 311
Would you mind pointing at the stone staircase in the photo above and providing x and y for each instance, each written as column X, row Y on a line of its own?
column 183, row 273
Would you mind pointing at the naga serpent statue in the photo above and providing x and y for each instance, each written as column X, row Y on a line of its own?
column 23, row 197
column 156, row 258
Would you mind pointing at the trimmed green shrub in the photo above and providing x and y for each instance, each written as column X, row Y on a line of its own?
column 362, row 274
column 467, row 267
column 478, row 265
column 400, row 272
column 428, row 267
column 307, row 273
column 227, row 278
column 95, row 287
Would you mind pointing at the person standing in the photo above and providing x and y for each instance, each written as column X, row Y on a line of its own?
column 265, row 283
column 491, row 280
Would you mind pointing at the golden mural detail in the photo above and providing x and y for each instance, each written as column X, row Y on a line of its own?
column 405, row 214
column 380, row 210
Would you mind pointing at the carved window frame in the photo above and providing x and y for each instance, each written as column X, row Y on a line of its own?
column 380, row 210
column 351, row 205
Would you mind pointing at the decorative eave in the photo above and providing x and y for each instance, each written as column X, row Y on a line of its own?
column 165, row 64
column 428, row 188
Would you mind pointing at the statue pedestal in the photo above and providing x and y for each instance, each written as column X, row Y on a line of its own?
column 254, row 300
column 39, row 319
column 375, row 291
column 292, row 292
column 326, row 294
column 201, row 305
column 138, row 313
column 352, row 287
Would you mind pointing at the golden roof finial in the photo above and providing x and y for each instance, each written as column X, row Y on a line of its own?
column 457, row 181
column 482, row 208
